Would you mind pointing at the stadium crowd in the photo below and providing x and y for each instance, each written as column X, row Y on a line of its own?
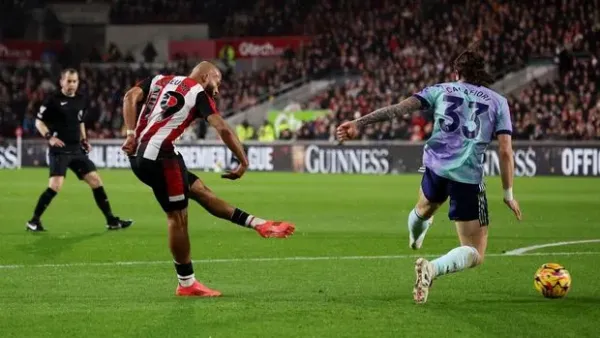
column 567, row 108
column 392, row 49
column 23, row 88
column 513, row 33
column 22, row 91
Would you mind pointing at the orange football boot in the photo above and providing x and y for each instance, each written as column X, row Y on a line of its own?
column 275, row 229
column 196, row 290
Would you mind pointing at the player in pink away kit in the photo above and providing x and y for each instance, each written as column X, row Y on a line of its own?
column 170, row 104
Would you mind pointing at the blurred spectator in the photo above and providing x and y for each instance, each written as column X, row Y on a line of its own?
column 285, row 135
column 129, row 57
column 29, row 124
column 95, row 55
column 244, row 131
column 150, row 53
column 266, row 132
column 114, row 54
column 305, row 133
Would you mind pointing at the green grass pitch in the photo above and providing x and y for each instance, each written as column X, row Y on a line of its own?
column 77, row 279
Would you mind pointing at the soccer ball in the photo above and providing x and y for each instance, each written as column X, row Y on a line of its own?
column 552, row 280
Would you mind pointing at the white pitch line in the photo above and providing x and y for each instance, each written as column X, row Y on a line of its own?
column 279, row 259
column 523, row 250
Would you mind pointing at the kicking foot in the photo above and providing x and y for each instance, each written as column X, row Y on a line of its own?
column 118, row 223
column 196, row 290
column 272, row 229
column 425, row 275
column 35, row 226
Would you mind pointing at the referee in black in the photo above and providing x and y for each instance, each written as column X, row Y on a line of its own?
column 60, row 120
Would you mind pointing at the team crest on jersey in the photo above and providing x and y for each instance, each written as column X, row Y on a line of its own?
column 168, row 101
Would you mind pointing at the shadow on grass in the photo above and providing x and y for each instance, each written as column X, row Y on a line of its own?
column 47, row 245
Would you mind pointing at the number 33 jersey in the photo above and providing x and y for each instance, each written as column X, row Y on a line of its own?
column 466, row 117
column 170, row 105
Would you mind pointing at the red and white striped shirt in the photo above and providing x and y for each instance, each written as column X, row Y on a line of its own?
column 171, row 104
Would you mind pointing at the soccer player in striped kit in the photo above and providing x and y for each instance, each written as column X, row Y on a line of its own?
column 170, row 104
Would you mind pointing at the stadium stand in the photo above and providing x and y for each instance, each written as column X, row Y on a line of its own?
column 13, row 15
column 565, row 109
column 515, row 32
column 392, row 47
column 22, row 90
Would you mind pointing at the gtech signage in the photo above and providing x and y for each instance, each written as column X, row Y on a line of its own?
column 260, row 47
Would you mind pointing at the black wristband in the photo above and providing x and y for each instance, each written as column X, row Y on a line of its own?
column 48, row 136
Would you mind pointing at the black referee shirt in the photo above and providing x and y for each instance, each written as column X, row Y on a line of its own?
column 63, row 115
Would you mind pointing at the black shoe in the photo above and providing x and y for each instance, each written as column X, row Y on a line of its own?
column 118, row 223
column 35, row 226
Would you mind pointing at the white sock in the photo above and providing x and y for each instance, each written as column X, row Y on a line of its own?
column 185, row 273
column 417, row 225
column 253, row 221
column 186, row 281
column 456, row 260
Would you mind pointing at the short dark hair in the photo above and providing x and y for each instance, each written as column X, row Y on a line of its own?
column 470, row 65
column 68, row 71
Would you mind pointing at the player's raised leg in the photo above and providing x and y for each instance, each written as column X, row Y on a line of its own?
column 54, row 185
column 217, row 207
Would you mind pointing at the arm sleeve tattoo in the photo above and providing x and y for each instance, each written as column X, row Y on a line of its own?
column 407, row 106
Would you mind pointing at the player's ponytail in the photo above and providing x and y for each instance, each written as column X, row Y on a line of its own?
column 470, row 65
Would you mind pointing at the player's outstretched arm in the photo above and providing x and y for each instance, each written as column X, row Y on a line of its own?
column 350, row 130
column 132, row 97
column 232, row 142
column 507, row 168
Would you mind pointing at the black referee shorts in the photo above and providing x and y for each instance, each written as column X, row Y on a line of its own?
column 78, row 162
column 168, row 179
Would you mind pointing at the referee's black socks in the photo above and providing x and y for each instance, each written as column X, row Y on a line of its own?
column 102, row 203
column 43, row 202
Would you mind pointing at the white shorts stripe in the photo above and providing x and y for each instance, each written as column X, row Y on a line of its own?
column 176, row 198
